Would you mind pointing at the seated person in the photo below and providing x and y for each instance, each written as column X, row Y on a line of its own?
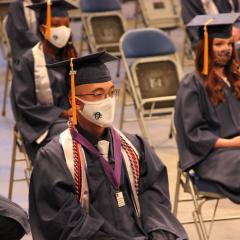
column 207, row 108
column 21, row 27
column 42, row 113
column 93, row 181
column 192, row 8
column 13, row 220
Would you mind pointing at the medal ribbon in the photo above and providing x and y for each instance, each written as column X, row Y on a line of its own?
column 114, row 176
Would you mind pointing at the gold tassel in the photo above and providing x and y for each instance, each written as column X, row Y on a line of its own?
column 205, row 48
column 72, row 75
column 48, row 20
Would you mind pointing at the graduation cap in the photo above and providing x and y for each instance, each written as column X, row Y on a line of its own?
column 51, row 8
column 213, row 26
column 85, row 70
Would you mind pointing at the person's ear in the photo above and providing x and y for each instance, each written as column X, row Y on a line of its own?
column 79, row 104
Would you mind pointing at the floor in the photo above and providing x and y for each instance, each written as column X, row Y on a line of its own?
column 158, row 131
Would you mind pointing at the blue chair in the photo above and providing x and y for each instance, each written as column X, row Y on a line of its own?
column 102, row 26
column 99, row 6
column 153, row 72
column 201, row 192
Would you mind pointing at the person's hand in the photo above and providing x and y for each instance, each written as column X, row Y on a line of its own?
column 235, row 142
column 66, row 113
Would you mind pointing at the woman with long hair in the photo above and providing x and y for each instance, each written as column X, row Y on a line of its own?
column 207, row 109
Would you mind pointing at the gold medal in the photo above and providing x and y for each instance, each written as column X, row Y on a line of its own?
column 120, row 199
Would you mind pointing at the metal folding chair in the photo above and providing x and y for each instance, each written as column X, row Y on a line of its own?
column 19, row 154
column 162, row 14
column 153, row 72
column 6, row 52
column 201, row 192
column 18, row 149
column 102, row 26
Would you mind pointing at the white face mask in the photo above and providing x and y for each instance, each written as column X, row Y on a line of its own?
column 100, row 112
column 60, row 36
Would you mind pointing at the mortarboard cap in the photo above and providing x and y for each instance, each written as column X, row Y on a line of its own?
column 218, row 26
column 51, row 8
column 85, row 70
column 213, row 26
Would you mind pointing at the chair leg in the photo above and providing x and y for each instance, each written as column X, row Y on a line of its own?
column 5, row 90
column 14, row 153
column 199, row 223
column 123, row 104
column 82, row 41
column 142, row 126
column 177, row 193
column 118, row 68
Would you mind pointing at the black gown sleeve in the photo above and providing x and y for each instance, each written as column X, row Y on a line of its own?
column 55, row 211
column 19, row 27
column 33, row 118
column 195, row 137
column 155, row 205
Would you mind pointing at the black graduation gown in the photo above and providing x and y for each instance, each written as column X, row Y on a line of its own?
column 199, row 124
column 192, row 8
column 55, row 212
column 20, row 37
column 13, row 220
column 33, row 118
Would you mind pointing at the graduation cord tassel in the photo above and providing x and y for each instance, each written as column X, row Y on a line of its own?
column 48, row 20
column 72, row 75
column 205, row 48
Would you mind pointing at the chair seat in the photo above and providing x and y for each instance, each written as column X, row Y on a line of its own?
column 204, row 186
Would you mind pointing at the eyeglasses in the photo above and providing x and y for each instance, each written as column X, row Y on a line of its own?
column 100, row 95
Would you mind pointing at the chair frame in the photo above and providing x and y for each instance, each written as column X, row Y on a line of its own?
column 8, row 58
column 18, row 146
column 86, row 21
column 162, row 21
column 88, row 33
column 198, row 198
column 131, row 88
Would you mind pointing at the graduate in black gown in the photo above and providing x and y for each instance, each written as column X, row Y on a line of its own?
column 192, row 8
column 22, row 27
column 39, row 94
column 207, row 109
column 13, row 220
column 74, row 191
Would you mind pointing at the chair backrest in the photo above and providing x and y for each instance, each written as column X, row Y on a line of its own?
column 146, row 42
column 103, row 24
column 160, row 14
column 154, row 70
column 99, row 5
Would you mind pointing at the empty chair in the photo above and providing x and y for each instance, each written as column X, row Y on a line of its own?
column 153, row 72
column 102, row 25
column 162, row 14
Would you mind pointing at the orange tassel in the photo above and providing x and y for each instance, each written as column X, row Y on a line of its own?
column 72, row 75
column 48, row 20
column 205, row 48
